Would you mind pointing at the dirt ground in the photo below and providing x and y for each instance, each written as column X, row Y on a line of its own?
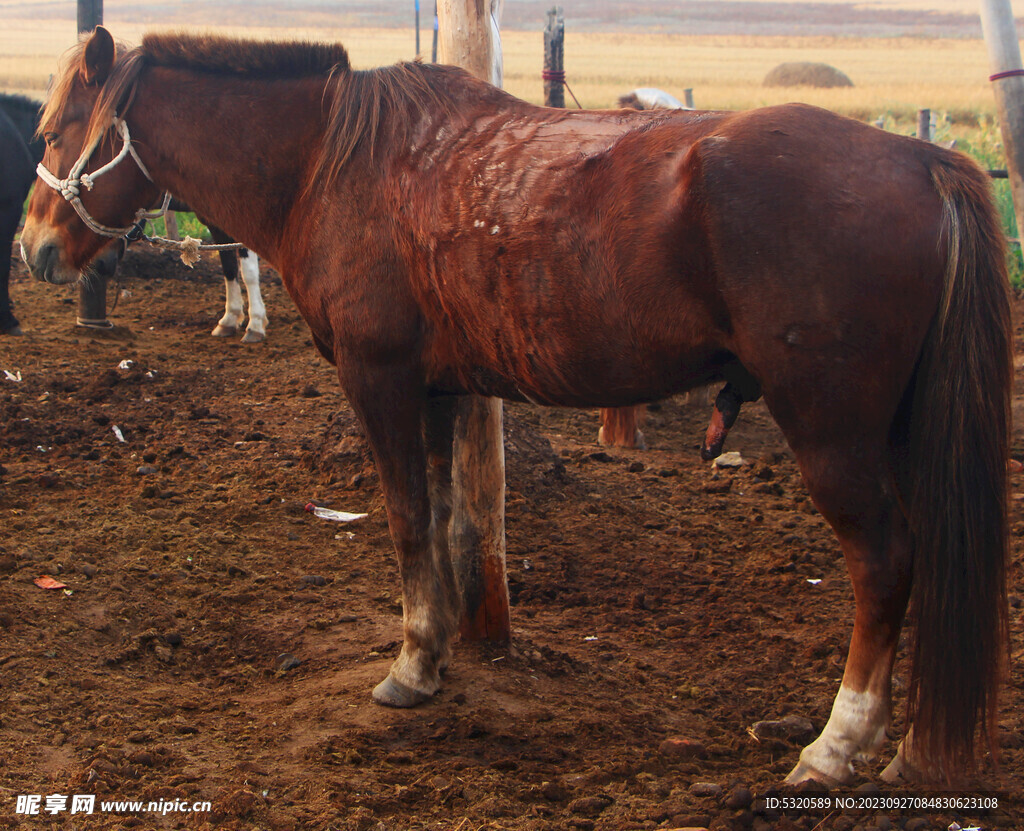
column 215, row 642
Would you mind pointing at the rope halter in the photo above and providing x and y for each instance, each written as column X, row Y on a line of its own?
column 71, row 186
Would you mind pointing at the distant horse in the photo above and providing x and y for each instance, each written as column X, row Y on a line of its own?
column 443, row 238
column 17, row 172
column 230, row 260
column 649, row 98
column 17, row 138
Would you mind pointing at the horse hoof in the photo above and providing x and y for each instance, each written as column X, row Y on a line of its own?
column 901, row 771
column 224, row 331
column 392, row 693
column 14, row 330
column 803, row 772
column 253, row 337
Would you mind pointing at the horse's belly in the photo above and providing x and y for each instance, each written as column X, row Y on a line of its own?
column 583, row 374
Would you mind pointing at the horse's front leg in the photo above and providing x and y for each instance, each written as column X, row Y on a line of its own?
column 411, row 439
column 8, row 322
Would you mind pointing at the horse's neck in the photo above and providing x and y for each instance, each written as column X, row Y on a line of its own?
column 237, row 158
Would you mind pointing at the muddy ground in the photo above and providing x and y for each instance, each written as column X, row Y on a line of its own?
column 652, row 601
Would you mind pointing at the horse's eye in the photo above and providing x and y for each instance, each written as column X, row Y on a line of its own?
column 51, row 139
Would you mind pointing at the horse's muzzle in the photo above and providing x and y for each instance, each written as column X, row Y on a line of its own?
column 45, row 264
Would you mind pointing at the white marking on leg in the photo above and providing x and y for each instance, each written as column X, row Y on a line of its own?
column 855, row 732
column 229, row 324
column 250, row 268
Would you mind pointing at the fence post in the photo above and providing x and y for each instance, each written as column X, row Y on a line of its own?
column 924, row 125
column 468, row 37
column 554, row 59
column 1007, row 79
column 92, row 295
column 433, row 49
column 90, row 15
column 417, row 28
column 688, row 97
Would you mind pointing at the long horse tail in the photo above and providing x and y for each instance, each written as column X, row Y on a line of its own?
column 955, row 484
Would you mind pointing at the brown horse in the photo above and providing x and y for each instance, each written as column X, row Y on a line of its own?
column 441, row 237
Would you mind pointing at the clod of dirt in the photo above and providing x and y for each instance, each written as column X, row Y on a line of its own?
column 313, row 580
column 791, row 728
column 806, row 74
column 676, row 748
column 590, row 806
column 739, row 798
column 285, row 662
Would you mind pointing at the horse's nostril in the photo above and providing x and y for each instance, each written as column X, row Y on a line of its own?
column 46, row 260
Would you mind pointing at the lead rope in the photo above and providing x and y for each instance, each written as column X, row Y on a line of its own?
column 70, row 187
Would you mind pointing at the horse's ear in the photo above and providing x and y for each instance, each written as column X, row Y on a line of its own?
column 98, row 58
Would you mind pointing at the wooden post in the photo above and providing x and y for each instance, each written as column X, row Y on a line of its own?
column 1007, row 78
column 92, row 295
column 688, row 97
column 924, row 125
column 468, row 37
column 171, row 221
column 90, row 15
column 554, row 59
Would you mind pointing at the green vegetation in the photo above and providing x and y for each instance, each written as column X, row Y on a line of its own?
column 188, row 225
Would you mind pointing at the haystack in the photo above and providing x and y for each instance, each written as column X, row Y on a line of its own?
column 806, row 74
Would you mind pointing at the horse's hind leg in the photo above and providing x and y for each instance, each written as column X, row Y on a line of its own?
column 852, row 487
column 256, row 330
column 227, row 326
column 411, row 438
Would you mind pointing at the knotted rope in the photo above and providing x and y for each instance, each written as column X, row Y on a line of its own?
column 557, row 76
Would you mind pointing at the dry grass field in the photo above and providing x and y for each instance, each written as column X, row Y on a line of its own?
column 894, row 76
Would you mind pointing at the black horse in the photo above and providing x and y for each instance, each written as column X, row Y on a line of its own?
column 20, row 152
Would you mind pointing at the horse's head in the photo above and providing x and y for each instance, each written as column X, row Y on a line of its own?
column 83, row 134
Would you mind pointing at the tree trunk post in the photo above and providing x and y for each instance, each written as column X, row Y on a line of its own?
column 171, row 221
column 92, row 295
column 1007, row 78
column 468, row 36
column 554, row 59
